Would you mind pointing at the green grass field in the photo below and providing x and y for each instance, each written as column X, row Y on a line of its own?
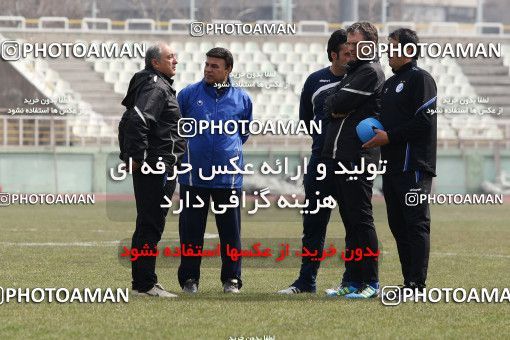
column 51, row 246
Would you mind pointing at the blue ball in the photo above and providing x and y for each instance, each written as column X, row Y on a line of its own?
column 365, row 129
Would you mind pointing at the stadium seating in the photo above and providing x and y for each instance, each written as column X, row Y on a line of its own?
column 51, row 85
column 273, row 72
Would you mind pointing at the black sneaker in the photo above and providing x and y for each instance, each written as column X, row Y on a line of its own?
column 414, row 287
column 190, row 286
column 290, row 291
column 231, row 286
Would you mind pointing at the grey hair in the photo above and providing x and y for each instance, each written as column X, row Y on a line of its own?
column 153, row 52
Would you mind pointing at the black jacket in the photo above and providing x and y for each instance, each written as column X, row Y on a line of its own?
column 357, row 96
column 149, row 127
column 412, row 129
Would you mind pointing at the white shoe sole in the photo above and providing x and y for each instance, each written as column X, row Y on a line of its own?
column 330, row 291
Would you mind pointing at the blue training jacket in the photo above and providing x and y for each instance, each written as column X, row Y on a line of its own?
column 201, row 101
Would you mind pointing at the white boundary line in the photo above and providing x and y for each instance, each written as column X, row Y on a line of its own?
column 206, row 236
column 80, row 244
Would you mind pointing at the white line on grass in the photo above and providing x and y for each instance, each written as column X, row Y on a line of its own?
column 61, row 244
column 79, row 244
column 207, row 236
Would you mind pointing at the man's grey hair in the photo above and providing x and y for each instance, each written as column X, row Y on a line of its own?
column 153, row 52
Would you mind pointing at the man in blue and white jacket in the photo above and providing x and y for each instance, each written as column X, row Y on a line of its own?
column 216, row 101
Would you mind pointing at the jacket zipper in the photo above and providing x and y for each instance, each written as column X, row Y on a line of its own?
column 335, row 147
column 191, row 172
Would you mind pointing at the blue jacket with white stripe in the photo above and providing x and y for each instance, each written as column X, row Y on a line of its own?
column 204, row 102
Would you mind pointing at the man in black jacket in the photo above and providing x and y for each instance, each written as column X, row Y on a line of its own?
column 409, row 145
column 356, row 97
column 148, row 138
column 317, row 88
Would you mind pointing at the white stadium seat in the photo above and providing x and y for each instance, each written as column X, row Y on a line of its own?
column 125, row 77
column 246, row 57
column 205, row 47
column 116, row 66
column 132, row 66
column 318, row 48
column 278, row 57
column 121, row 87
column 289, row 63
column 269, row 47
column 301, row 48
column 251, row 46
column 101, row 66
column 191, row 47
column 176, row 47
column 111, row 77
column 285, row 68
column 285, row 47
column 300, row 68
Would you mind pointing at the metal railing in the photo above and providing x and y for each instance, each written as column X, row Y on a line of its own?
column 21, row 131
column 71, row 131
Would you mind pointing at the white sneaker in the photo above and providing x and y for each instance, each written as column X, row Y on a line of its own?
column 289, row 291
column 157, row 290
column 331, row 291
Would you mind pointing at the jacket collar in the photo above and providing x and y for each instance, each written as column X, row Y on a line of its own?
column 166, row 79
column 213, row 91
column 405, row 67
column 352, row 65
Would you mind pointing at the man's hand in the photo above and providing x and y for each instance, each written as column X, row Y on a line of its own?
column 380, row 138
column 135, row 166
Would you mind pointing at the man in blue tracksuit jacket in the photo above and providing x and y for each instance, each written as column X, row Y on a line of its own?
column 216, row 101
